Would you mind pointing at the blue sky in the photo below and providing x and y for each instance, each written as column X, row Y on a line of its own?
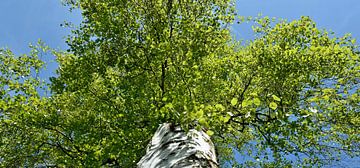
column 26, row 21
column 340, row 16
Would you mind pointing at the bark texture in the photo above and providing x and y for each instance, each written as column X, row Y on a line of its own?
column 171, row 147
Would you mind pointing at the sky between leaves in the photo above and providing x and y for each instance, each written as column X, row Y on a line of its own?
column 26, row 21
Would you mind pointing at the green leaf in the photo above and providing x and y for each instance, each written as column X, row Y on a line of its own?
column 169, row 105
column 273, row 105
column 210, row 133
column 257, row 101
column 200, row 114
column 246, row 103
column 202, row 121
column 227, row 118
column 276, row 98
column 254, row 94
column 234, row 101
column 220, row 107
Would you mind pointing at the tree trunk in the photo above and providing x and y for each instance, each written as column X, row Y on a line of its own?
column 175, row 148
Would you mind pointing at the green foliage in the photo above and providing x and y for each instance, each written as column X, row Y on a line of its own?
column 20, row 108
column 133, row 65
column 305, row 79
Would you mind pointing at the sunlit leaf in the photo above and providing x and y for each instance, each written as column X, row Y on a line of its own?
column 273, row 105
column 234, row 101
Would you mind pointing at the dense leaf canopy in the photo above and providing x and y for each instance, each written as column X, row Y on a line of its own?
column 290, row 96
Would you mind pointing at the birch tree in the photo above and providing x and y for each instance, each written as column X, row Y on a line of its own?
column 289, row 97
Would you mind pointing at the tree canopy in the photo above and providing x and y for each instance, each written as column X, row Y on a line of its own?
column 290, row 96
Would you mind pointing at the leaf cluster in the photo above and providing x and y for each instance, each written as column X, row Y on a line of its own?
column 292, row 92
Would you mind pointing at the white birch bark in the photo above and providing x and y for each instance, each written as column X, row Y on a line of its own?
column 171, row 147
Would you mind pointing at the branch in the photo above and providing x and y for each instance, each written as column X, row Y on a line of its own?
column 268, row 140
column 245, row 88
column 67, row 137
column 268, row 117
column 163, row 75
column 65, row 151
